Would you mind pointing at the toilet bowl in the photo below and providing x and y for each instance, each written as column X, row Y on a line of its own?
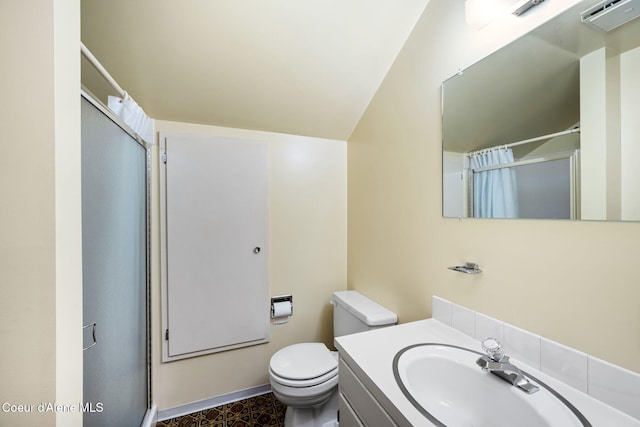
column 304, row 376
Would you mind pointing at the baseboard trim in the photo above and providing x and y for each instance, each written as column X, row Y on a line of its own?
column 151, row 417
column 202, row 405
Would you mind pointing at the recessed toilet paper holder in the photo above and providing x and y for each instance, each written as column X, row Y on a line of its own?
column 281, row 298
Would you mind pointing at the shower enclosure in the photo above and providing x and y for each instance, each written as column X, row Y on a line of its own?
column 115, row 270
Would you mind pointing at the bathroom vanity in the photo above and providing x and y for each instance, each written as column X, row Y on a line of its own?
column 371, row 395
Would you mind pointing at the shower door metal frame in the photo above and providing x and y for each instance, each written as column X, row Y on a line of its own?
column 88, row 96
column 574, row 173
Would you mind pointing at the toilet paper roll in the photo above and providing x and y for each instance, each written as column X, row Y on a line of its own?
column 281, row 311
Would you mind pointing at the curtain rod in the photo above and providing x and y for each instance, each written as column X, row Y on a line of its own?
column 98, row 66
column 527, row 141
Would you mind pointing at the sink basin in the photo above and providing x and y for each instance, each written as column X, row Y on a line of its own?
column 444, row 383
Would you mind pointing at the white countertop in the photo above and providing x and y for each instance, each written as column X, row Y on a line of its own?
column 371, row 355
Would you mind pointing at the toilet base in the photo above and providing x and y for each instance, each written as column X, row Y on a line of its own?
column 325, row 415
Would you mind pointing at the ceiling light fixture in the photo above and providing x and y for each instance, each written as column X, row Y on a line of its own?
column 524, row 6
column 479, row 13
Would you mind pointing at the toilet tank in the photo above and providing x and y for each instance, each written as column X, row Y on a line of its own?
column 353, row 312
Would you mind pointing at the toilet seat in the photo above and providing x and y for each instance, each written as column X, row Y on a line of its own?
column 304, row 383
column 303, row 365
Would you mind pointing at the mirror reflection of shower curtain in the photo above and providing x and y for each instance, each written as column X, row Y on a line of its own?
column 494, row 191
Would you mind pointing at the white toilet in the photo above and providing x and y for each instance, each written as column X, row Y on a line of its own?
column 305, row 376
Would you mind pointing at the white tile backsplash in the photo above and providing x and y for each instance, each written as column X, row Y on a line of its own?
column 522, row 345
column 441, row 310
column 564, row 363
column 615, row 386
column 463, row 319
column 488, row 327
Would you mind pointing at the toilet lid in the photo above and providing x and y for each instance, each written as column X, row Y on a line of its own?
column 303, row 361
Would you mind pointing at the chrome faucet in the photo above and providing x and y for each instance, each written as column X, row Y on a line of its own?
column 498, row 364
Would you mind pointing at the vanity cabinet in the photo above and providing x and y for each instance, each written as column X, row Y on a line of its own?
column 357, row 406
column 348, row 415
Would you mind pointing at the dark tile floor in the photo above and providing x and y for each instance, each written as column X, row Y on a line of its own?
column 263, row 410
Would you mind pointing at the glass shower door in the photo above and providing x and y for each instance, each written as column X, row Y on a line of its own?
column 114, row 239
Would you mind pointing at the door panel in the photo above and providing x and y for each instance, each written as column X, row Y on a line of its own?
column 114, row 273
column 215, row 241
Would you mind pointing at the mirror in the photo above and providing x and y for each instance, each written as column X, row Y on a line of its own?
column 547, row 127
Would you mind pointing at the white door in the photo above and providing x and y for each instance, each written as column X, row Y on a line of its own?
column 215, row 243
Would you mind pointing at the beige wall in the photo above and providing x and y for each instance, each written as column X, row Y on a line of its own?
column 564, row 280
column 40, row 247
column 609, row 107
column 630, row 132
column 68, row 208
column 600, row 121
column 308, row 237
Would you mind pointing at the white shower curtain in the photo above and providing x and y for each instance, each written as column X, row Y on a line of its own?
column 494, row 191
column 133, row 115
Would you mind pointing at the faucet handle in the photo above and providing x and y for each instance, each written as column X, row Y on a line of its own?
column 493, row 348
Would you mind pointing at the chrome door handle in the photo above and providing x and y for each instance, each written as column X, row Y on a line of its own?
column 93, row 333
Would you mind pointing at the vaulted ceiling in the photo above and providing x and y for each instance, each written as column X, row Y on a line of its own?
column 305, row 67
